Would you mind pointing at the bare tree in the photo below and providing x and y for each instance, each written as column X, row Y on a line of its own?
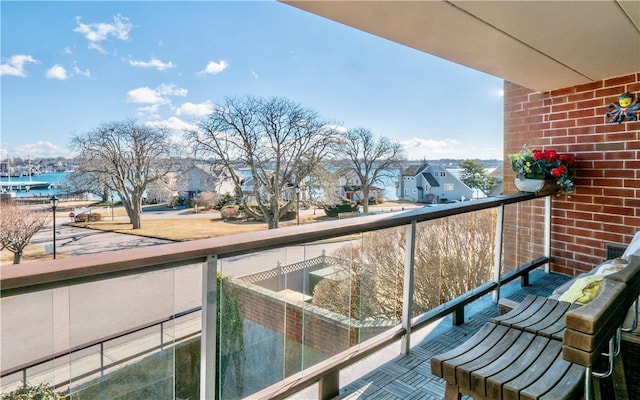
column 130, row 157
column 18, row 225
column 279, row 141
column 87, row 181
column 320, row 187
column 370, row 160
column 167, row 189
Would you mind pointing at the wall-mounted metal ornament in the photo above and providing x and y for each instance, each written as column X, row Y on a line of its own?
column 623, row 110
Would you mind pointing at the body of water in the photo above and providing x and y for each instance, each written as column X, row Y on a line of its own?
column 58, row 184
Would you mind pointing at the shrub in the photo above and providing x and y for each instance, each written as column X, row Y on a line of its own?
column 229, row 212
column 226, row 200
column 88, row 217
column 372, row 201
column 42, row 391
column 207, row 200
column 332, row 210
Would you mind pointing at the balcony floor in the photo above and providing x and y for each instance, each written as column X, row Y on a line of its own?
column 409, row 376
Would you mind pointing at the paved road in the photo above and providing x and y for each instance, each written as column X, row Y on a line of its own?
column 76, row 241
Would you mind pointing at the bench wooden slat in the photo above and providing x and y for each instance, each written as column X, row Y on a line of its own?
column 479, row 377
column 463, row 372
column 566, row 389
column 555, row 376
column 449, row 367
column 553, row 324
column 520, row 366
column 475, row 340
column 539, row 305
column 546, row 359
column 520, row 307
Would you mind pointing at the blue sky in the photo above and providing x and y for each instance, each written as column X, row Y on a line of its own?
column 66, row 67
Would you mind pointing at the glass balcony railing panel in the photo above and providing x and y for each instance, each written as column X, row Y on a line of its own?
column 298, row 306
column 251, row 323
column 36, row 318
column 454, row 255
column 124, row 333
column 524, row 233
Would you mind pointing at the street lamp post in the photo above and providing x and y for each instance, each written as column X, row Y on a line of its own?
column 54, row 204
column 298, row 203
column 111, row 206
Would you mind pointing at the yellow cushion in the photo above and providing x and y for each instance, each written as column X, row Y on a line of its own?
column 583, row 290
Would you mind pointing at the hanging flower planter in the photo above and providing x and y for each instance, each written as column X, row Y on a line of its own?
column 544, row 171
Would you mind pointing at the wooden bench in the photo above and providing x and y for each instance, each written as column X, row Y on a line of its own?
column 543, row 348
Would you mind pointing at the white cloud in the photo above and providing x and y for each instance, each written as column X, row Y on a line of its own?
column 57, row 72
column 336, row 128
column 198, row 110
column 173, row 124
column 153, row 63
column 145, row 95
column 255, row 74
column 155, row 96
column 95, row 46
column 15, row 65
column 430, row 149
column 42, row 149
column 67, row 50
column 150, row 111
column 214, row 68
column 99, row 31
column 171, row 90
column 78, row 71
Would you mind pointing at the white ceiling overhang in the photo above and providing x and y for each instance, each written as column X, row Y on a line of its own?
column 541, row 45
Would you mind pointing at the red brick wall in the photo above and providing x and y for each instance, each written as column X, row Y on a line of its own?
column 320, row 331
column 606, row 206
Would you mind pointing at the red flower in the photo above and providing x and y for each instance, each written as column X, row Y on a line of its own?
column 558, row 171
column 550, row 155
column 537, row 155
column 568, row 159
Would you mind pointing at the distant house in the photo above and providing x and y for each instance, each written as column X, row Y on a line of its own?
column 431, row 184
column 206, row 177
column 354, row 192
column 350, row 187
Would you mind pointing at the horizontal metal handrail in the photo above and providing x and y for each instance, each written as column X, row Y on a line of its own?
column 94, row 267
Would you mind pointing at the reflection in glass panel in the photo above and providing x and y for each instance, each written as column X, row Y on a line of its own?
column 300, row 305
column 524, row 233
column 32, row 319
column 454, row 255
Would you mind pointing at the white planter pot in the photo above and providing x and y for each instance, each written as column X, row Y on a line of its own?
column 533, row 185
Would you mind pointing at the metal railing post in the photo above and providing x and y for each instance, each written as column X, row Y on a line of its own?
column 547, row 231
column 407, row 292
column 101, row 358
column 497, row 261
column 208, row 337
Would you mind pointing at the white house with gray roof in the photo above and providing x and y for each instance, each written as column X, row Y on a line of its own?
column 431, row 184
